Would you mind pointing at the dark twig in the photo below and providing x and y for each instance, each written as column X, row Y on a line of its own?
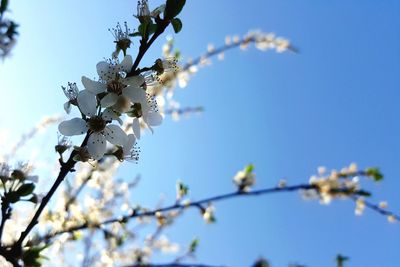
column 199, row 204
column 64, row 170
column 145, row 45
column 178, row 206
column 379, row 210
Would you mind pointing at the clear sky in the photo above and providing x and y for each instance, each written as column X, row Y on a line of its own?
column 334, row 103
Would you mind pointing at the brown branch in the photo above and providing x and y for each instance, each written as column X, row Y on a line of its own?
column 145, row 45
column 64, row 170
column 178, row 206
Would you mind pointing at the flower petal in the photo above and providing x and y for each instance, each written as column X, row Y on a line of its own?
column 154, row 118
column 135, row 81
column 115, row 135
column 136, row 127
column 67, row 107
column 93, row 86
column 126, row 64
column 126, row 148
column 76, row 126
column 104, row 70
column 135, row 94
column 109, row 115
column 96, row 145
column 87, row 103
column 109, row 100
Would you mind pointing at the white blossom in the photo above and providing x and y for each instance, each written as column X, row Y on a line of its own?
column 95, row 124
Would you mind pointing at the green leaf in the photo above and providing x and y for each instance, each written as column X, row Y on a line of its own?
column 173, row 8
column 3, row 6
column 77, row 235
column 249, row 168
column 193, row 245
column 177, row 24
column 33, row 199
column 25, row 189
column 152, row 28
column 375, row 174
column 12, row 197
column 143, row 28
column 32, row 257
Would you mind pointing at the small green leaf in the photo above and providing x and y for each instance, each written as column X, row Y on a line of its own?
column 143, row 28
column 177, row 24
column 25, row 189
column 375, row 174
column 152, row 28
column 3, row 6
column 173, row 8
column 249, row 168
column 77, row 235
column 32, row 257
column 193, row 245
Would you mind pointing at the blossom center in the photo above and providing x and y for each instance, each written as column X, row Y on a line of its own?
column 115, row 86
column 137, row 110
column 96, row 124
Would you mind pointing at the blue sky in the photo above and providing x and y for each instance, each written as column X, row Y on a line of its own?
column 334, row 103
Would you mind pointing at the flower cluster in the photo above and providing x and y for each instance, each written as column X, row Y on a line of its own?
column 340, row 184
column 106, row 100
column 265, row 41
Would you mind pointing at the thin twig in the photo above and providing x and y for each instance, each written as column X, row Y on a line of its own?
column 64, row 170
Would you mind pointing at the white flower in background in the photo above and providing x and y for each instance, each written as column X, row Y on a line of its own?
column 383, row 205
column 360, row 206
column 209, row 214
column 392, row 219
column 245, row 178
column 169, row 64
column 71, row 92
column 96, row 125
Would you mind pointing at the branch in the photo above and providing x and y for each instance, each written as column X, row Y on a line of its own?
column 5, row 214
column 222, row 49
column 145, row 45
column 178, row 206
column 379, row 210
column 199, row 204
column 64, row 170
